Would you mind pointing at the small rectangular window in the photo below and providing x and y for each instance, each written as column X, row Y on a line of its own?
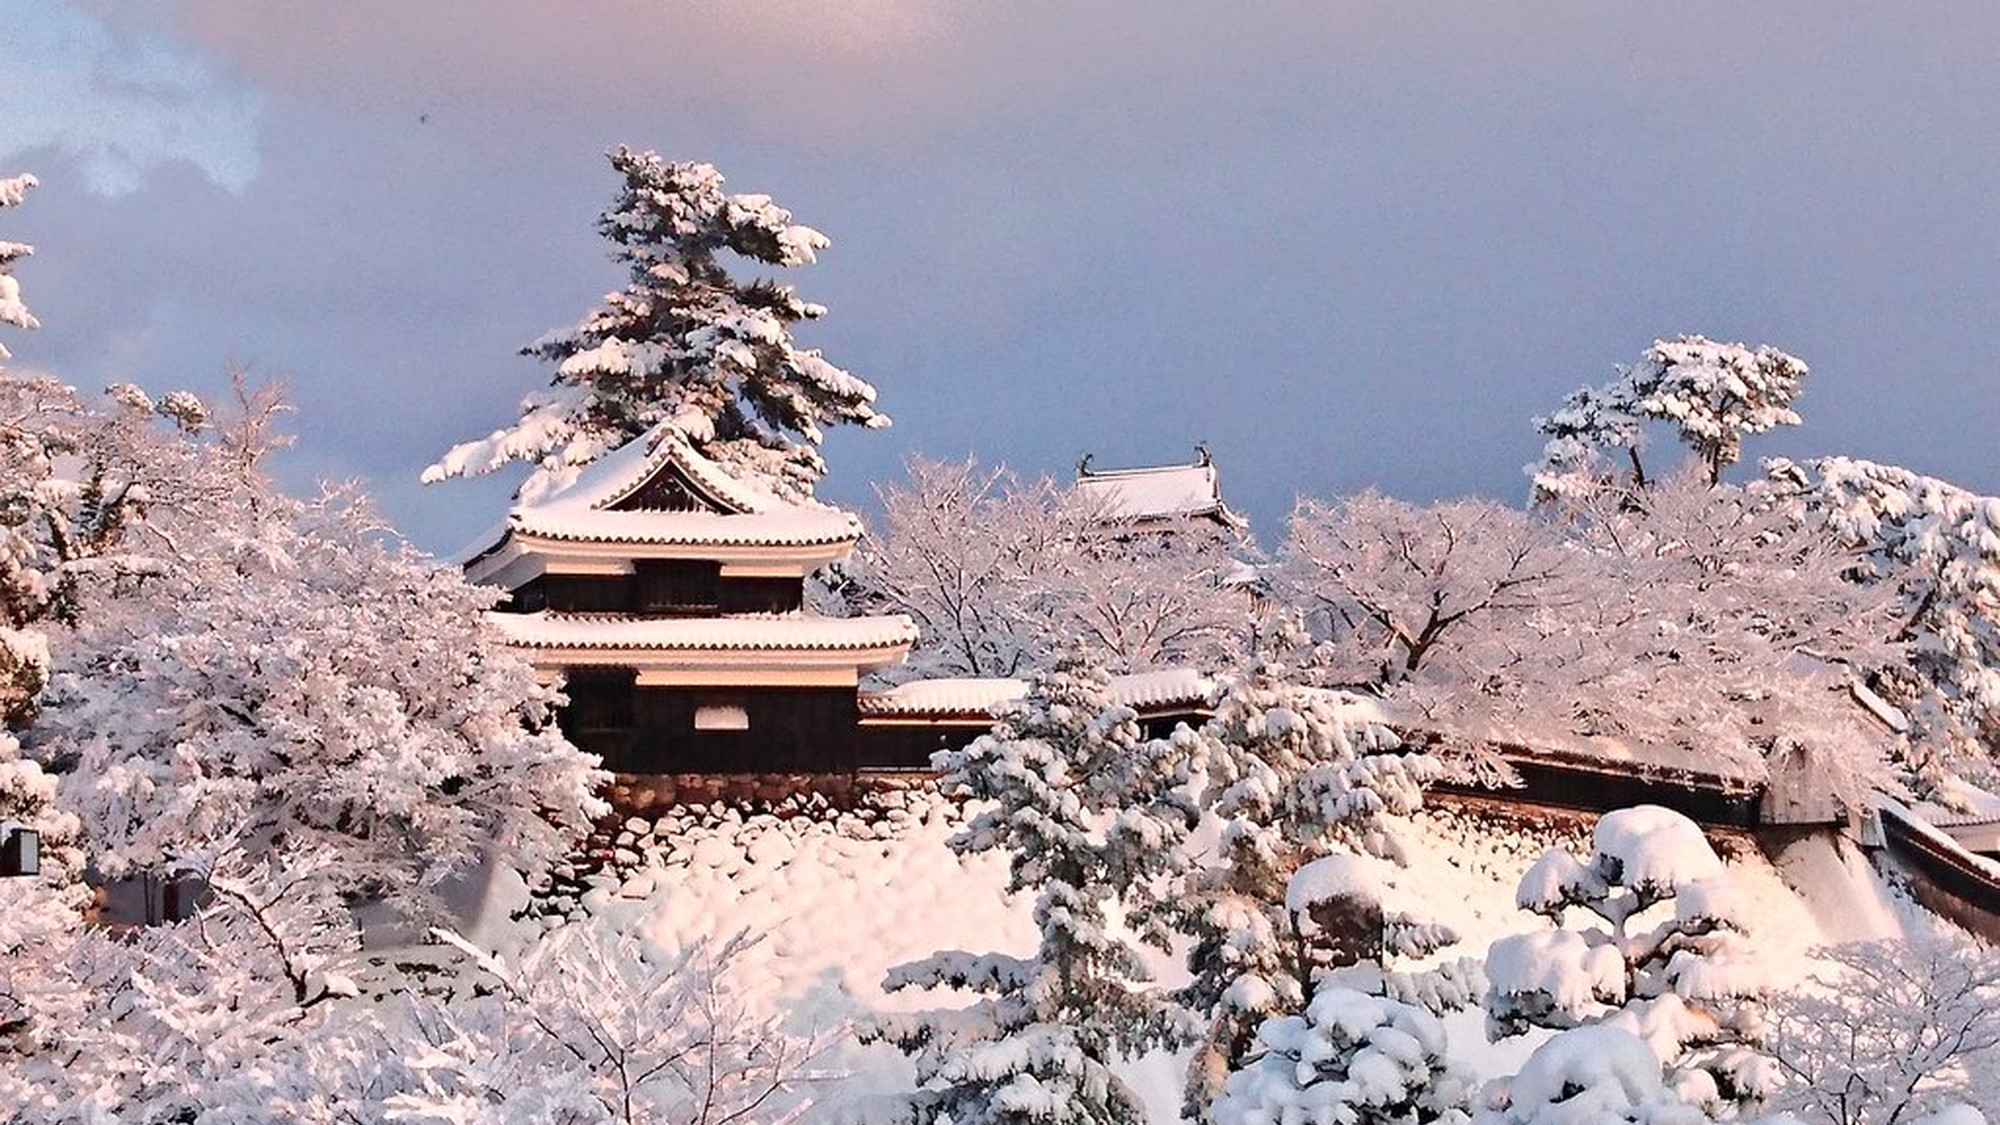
column 721, row 713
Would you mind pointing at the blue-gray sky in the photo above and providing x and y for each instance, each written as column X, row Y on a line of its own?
column 1345, row 244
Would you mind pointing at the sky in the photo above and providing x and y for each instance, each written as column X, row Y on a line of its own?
column 1345, row 244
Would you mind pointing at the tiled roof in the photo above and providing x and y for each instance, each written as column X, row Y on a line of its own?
column 778, row 528
column 774, row 632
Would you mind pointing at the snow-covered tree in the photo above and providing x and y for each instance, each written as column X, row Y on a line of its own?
column 1597, row 1075
column 226, row 663
column 1889, row 1030
column 1722, row 617
column 39, row 921
column 963, row 551
column 1690, row 614
column 999, row 574
column 1087, row 814
column 595, row 1026
column 291, row 680
column 1935, row 549
column 1682, row 977
column 245, row 1013
column 1450, row 593
column 1303, row 787
column 1712, row 394
column 13, row 189
column 684, row 343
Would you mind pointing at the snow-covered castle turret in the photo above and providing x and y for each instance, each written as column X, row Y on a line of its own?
column 668, row 596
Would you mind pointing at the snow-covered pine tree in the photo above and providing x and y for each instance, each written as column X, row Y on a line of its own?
column 13, row 189
column 1936, row 547
column 1368, row 1048
column 1713, row 394
column 684, row 344
column 1087, row 811
column 1682, row 978
column 1293, row 774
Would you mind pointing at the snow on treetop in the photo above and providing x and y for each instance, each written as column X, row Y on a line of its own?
column 1652, row 848
column 13, row 311
column 1555, row 881
column 1575, row 973
column 684, row 343
column 1332, row 877
column 13, row 189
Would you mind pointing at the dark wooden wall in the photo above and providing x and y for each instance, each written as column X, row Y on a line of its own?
column 659, row 588
column 651, row 730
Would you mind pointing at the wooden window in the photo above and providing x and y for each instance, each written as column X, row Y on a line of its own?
column 588, row 593
column 761, row 595
column 678, row 587
column 599, row 700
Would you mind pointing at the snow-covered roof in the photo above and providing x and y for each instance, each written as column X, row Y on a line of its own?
column 1963, row 804
column 760, row 632
column 1141, row 691
column 1594, row 752
column 618, row 475
column 606, row 503
column 1160, row 493
column 787, row 527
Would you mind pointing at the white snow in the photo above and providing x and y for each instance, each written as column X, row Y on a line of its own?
column 974, row 695
column 842, row 899
column 1654, row 847
column 1166, row 492
column 787, row 632
column 1333, row 877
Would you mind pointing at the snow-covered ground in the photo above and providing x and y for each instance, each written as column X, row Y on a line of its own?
column 841, row 897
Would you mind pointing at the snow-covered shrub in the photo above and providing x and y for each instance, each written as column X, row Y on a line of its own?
column 1681, row 977
column 596, row 1026
column 240, row 1014
column 1085, row 811
column 1589, row 1076
column 1352, row 1058
column 1888, row 1030
column 684, row 343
